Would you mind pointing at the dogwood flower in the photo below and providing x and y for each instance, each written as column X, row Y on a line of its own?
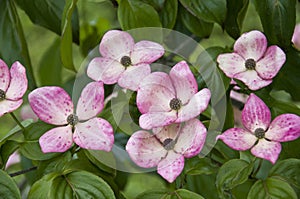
column 167, row 147
column 122, row 60
column 54, row 106
column 260, row 134
column 296, row 37
column 13, row 85
column 252, row 62
column 164, row 99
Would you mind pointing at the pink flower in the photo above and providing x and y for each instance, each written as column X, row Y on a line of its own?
column 13, row 85
column 167, row 147
column 122, row 60
column 296, row 37
column 252, row 62
column 256, row 118
column 164, row 99
column 27, row 113
column 54, row 106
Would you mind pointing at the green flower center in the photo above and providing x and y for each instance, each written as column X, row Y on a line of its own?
column 2, row 95
column 126, row 61
column 168, row 144
column 259, row 133
column 72, row 119
column 175, row 104
column 250, row 64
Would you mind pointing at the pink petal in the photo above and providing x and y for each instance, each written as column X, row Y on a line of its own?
column 58, row 139
column 115, row 44
column 296, row 36
column 146, row 52
column 256, row 114
column 133, row 75
column 95, row 134
column 18, row 82
column 162, row 133
column 184, row 81
column 191, row 138
column 285, row 127
column 270, row 64
column 267, row 150
column 8, row 106
column 252, row 80
column 157, row 119
column 105, row 70
column 197, row 104
column 251, row 45
column 155, row 93
column 27, row 113
column 51, row 104
column 91, row 101
column 231, row 63
column 238, row 139
column 171, row 166
column 4, row 76
column 145, row 150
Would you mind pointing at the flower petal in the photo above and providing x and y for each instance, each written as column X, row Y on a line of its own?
column 4, row 76
column 252, row 80
column 115, row 44
column 251, row 45
column 95, row 134
column 105, row 70
column 296, row 36
column 270, row 64
column 184, row 81
column 256, row 114
column 197, row 104
column 157, row 119
column 133, row 75
column 91, row 101
column 231, row 63
column 165, row 132
column 58, row 139
column 155, row 93
column 144, row 149
column 238, row 139
column 267, row 150
column 8, row 106
column 171, row 166
column 51, row 104
column 18, row 82
column 146, row 52
column 285, row 127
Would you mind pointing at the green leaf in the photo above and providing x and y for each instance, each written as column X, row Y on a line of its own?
column 165, row 194
column 185, row 194
column 210, row 11
column 154, row 194
column 278, row 20
column 198, row 166
column 8, row 187
column 8, row 148
column 271, row 188
column 136, row 14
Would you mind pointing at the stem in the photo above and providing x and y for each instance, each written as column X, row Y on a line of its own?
column 17, row 121
column 22, row 171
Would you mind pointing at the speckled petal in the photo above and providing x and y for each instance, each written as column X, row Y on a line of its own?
column 95, row 134
column 133, row 75
column 8, row 106
column 197, row 104
column 58, row 139
column 184, row 81
column 4, row 75
column 51, row 104
column 238, row 139
column 231, row 63
column 252, row 80
column 91, row 101
column 157, row 119
column 270, row 64
column 169, row 131
column 256, row 114
column 267, row 150
column 285, row 127
column 191, row 138
column 296, row 36
column 146, row 52
column 171, row 166
column 115, row 44
column 18, row 82
column 105, row 70
column 251, row 45
column 144, row 149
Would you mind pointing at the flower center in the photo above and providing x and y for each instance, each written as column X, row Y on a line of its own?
column 259, row 133
column 126, row 61
column 168, row 144
column 2, row 95
column 72, row 119
column 175, row 104
column 250, row 64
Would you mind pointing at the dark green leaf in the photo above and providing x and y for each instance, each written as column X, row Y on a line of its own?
column 198, row 166
column 154, row 194
column 8, row 148
column 185, row 194
column 8, row 188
